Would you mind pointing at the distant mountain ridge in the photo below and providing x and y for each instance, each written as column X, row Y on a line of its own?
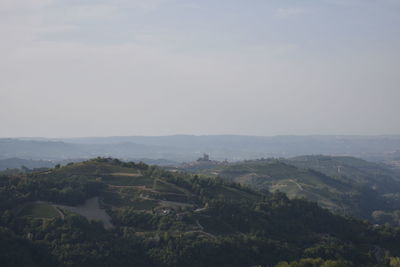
column 15, row 163
column 184, row 148
column 58, row 150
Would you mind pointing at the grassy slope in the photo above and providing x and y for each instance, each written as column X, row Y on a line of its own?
column 39, row 210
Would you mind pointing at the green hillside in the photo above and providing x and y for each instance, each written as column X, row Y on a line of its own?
column 275, row 175
column 345, row 185
column 381, row 177
column 161, row 218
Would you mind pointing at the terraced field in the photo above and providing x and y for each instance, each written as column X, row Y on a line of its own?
column 126, row 180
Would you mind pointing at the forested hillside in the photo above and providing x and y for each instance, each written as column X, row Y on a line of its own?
column 345, row 185
column 142, row 215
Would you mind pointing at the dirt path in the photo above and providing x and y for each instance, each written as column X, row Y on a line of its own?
column 183, row 190
column 138, row 187
column 199, row 225
column 200, row 209
column 298, row 185
column 174, row 204
column 126, row 174
column 59, row 212
column 166, row 203
column 201, row 231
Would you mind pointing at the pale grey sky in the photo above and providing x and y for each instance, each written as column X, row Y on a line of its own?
column 159, row 67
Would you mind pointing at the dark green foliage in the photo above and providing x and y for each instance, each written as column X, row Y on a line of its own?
column 212, row 223
column 318, row 262
column 16, row 251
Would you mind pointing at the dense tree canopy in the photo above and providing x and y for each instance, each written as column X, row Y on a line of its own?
column 208, row 222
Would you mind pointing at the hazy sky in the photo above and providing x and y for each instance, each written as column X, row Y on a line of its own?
column 156, row 67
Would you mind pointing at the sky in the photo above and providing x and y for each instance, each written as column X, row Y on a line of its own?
column 160, row 67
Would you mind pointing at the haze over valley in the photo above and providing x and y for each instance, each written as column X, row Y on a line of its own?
column 176, row 133
column 183, row 148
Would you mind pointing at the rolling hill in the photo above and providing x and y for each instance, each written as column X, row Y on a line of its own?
column 171, row 218
column 184, row 148
column 345, row 185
